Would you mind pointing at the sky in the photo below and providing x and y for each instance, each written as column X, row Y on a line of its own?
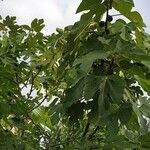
column 56, row 13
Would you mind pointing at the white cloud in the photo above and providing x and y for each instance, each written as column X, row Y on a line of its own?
column 56, row 13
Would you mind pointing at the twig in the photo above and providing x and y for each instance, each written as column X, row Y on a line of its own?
column 86, row 129
column 94, row 132
column 111, row 1
column 116, row 15
column 39, row 104
column 32, row 83
column 31, row 89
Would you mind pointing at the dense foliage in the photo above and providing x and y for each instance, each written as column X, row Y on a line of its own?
column 84, row 87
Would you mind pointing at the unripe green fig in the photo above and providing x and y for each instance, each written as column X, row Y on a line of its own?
column 93, row 26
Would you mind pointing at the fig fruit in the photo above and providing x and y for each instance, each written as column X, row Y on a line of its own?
column 109, row 18
column 101, row 24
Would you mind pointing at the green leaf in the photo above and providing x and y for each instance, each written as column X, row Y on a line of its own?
column 137, row 54
column 145, row 141
column 145, row 108
column 145, row 84
column 112, row 127
column 125, row 113
column 97, row 8
column 136, row 17
column 76, row 112
column 87, row 60
column 93, row 106
column 34, row 23
column 5, row 108
column 139, row 38
column 111, row 91
column 146, row 63
column 8, row 141
column 124, row 35
column 104, row 99
column 26, row 27
column 143, row 124
column 83, row 24
column 91, row 86
column 74, row 94
column 41, row 116
column 124, row 6
column 60, row 31
column 10, row 21
column 88, row 5
column 133, row 123
column 118, row 26
column 119, row 142
column 116, row 88
column 37, row 25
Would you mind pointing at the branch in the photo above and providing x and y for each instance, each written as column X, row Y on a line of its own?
column 107, row 13
column 26, row 81
column 31, row 89
column 32, row 83
column 111, row 1
column 108, row 6
column 39, row 104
